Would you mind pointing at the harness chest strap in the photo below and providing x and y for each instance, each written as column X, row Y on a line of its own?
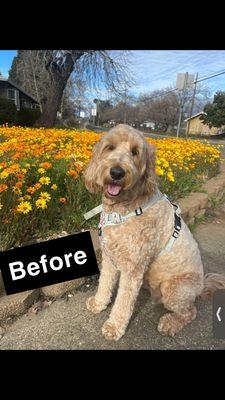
column 115, row 218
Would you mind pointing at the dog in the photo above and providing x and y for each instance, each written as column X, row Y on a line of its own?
column 139, row 244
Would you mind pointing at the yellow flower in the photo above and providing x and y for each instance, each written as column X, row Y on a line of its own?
column 41, row 170
column 46, row 196
column 27, row 197
column 4, row 175
column 24, row 207
column 159, row 171
column 54, row 186
column 45, row 180
column 1, row 206
column 16, row 190
column 170, row 177
column 41, row 203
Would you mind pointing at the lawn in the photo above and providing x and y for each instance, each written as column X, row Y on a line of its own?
column 41, row 186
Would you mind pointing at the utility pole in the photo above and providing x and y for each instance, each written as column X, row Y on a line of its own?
column 182, row 103
column 192, row 105
column 125, row 106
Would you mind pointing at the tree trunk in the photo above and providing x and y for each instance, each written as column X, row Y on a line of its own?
column 48, row 117
column 59, row 77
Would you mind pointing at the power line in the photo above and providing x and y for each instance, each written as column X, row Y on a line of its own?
column 203, row 78
column 209, row 77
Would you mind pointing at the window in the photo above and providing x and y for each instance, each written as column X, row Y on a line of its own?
column 11, row 94
column 14, row 95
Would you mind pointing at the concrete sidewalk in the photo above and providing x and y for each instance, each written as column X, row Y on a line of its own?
column 66, row 324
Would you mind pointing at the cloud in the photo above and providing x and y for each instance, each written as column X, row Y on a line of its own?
column 157, row 69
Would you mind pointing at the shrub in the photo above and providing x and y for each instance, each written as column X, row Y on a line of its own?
column 28, row 116
column 8, row 112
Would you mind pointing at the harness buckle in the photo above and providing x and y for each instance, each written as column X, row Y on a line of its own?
column 175, row 234
column 138, row 211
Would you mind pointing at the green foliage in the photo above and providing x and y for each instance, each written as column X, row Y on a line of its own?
column 13, row 72
column 215, row 112
column 213, row 201
column 28, row 116
column 8, row 112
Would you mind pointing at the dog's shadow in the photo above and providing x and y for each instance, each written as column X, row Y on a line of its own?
column 144, row 301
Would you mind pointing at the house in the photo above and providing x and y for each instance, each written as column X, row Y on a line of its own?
column 13, row 92
column 148, row 124
column 198, row 128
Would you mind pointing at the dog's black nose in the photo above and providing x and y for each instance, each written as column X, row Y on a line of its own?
column 117, row 173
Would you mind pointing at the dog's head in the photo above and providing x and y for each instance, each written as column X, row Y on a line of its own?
column 122, row 162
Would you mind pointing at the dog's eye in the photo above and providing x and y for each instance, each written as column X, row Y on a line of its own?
column 134, row 151
column 109, row 147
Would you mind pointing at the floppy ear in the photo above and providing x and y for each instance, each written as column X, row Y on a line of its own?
column 90, row 172
column 150, row 175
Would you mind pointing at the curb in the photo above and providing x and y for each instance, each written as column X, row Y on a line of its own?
column 196, row 203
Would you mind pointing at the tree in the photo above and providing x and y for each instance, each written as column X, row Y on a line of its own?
column 215, row 112
column 97, row 67
column 160, row 107
column 28, row 71
column 75, row 98
column 163, row 106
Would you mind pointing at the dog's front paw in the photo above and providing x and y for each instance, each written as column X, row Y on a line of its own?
column 111, row 332
column 94, row 306
column 169, row 325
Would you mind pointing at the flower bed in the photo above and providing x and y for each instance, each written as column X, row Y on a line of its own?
column 41, row 189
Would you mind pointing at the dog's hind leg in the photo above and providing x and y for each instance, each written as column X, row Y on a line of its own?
column 178, row 296
column 107, row 281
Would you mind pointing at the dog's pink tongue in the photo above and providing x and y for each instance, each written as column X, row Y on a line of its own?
column 113, row 189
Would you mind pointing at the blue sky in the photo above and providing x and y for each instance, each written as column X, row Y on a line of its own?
column 157, row 69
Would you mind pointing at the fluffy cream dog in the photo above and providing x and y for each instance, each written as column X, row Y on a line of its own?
column 134, row 251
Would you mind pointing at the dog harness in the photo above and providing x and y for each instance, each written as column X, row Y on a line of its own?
column 114, row 218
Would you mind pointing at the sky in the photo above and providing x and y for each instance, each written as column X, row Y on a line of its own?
column 157, row 69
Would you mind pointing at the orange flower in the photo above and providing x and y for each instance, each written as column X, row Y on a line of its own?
column 19, row 184
column 20, row 176
column 46, row 165
column 31, row 190
column 62, row 200
column 72, row 173
column 3, row 187
column 37, row 186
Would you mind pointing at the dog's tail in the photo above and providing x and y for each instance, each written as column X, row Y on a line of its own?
column 212, row 282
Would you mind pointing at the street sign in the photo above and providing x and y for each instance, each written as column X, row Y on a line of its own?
column 181, row 77
column 82, row 114
column 93, row 112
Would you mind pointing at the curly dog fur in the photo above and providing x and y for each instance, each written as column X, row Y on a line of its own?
column 131, row 249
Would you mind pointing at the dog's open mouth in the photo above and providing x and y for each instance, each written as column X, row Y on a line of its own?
column 114, row 188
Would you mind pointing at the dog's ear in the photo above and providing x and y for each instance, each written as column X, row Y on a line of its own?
column 90, row 173
column 150, row 175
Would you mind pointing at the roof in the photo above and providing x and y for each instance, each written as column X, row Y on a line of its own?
column 196, row 115
column 2, row 78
